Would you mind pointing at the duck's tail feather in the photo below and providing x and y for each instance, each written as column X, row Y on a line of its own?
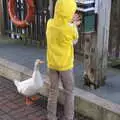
column 16, row 82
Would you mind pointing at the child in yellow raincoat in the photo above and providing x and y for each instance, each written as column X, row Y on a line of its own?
column 61, row 34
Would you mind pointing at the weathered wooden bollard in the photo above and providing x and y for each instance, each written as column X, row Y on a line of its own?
column 87, row 10
column 104, row 10
column 90, row 59
column 96, row 40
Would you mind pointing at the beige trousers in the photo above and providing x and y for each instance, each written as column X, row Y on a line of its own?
column 67, row 80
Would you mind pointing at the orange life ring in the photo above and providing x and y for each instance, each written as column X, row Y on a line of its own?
column 29, row 17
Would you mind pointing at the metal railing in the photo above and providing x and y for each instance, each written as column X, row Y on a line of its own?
column 35, row 33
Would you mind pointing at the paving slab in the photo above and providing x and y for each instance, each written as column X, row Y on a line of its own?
column 13, row 107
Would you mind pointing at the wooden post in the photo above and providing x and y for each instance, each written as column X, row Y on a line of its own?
column 96, row 48
column 90, row 59
column 1, row 18
column 102, row 40
column 118, row 29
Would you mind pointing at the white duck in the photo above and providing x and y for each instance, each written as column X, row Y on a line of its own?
column 32, row 85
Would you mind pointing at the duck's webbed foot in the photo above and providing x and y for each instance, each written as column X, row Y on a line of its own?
column 32, row 99
column 28, row 100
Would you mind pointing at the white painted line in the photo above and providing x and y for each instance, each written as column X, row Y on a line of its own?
column 85, row 1
column 86, row 10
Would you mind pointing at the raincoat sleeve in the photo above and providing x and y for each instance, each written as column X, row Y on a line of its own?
column 75, row 34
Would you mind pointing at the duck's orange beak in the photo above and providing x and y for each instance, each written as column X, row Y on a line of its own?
column 41, row 62
column 38, row 61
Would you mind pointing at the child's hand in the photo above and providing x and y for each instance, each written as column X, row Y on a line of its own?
column 76, row 19
column 75, row 42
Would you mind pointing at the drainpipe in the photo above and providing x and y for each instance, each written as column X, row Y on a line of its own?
column 51, row 8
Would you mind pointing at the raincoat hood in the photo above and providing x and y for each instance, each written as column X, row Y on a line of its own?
column 65, row 10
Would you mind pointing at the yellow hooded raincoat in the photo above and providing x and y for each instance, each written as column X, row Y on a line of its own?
column 60, row 36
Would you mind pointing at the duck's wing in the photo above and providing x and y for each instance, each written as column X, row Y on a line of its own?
column 26, row 83
column 16, row 82
column 29, row 90
column 23, row 85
